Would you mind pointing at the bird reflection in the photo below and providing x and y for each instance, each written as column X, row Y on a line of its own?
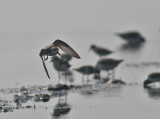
column 153, row 92
column 62, row 108
column 128, row 47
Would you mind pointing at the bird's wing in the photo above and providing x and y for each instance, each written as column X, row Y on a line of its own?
column 66, row 48
column 45, row 67
column 48, row 47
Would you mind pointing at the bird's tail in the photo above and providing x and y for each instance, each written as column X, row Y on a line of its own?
column 121, row 61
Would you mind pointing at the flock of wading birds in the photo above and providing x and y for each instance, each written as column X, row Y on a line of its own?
column 61, row 64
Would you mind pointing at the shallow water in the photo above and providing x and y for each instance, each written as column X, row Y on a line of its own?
column 129, row 101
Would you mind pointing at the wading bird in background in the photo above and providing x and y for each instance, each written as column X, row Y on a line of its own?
column 60, row 66
column 53, row 49
column 66, row 57
column 132, row 37
column 152, row 78
column 100, row 51
column 87, row 70
column 108, row 64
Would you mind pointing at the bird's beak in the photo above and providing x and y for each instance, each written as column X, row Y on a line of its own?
column 40, row 54
column 89, row 49
column 59, row 53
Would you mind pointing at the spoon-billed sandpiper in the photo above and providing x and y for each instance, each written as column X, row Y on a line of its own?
column 100, row 51
column 53, row 49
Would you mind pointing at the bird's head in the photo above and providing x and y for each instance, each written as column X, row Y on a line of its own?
column 142, row 39
column 42, row 52
column 55, row 51
column 54, row 59
column 92, row 47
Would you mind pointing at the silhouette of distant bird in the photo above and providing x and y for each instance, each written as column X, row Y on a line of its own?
column 133, row 37
column 66, row 57
column 53, row 49
column 107, row 64
column 87, row 70
column 153, row 77
column 100, row 51
column 60, row 66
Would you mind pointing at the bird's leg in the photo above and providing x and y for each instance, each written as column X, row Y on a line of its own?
column 82, row 79
column 107, row 74
column 66, row 99
column 87, row 79
column 59, row 99
column 65, row 78
column 58, row 77
column 113, row 72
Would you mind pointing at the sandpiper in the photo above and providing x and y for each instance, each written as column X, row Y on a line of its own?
column 132, row 37
column 152, row 78
column 108, row 64
column 53, row 49
column 66, row 57
column 60, row 66
column 100, row 51
column 87, row 70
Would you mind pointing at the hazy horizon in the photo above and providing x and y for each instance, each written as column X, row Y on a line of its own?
column 28, row 26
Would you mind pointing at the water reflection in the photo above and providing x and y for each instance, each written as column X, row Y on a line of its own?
column 113, row 91
column 62, row 108
column 153, row 92
column 133, row 48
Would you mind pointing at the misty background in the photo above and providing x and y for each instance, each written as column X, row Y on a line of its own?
column 26, row 26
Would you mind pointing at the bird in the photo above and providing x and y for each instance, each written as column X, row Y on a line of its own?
column 108, row 64
column 87, row 70
column 53, row 49
column 152, row 78
column 66, row 57
column 132, row 37
column 60, row 66
column 100, row 51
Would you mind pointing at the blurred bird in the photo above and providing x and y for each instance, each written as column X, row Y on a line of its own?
column 62, row 108
column 53, row 49
column 66, row 57
column 133, row 37
column 60, row 66
column 87, row 70
column 152, row 78
column 100, row 51
column 108, row 64
column 69, row 74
